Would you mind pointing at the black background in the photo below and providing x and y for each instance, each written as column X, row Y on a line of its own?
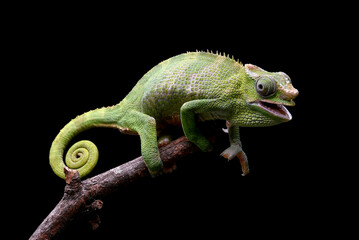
column 64, row 63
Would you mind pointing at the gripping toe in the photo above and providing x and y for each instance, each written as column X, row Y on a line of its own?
column 231, row 152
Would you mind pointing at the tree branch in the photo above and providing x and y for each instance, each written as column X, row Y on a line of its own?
column 80, row 196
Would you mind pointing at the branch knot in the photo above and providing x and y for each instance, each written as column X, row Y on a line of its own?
column 73, row 182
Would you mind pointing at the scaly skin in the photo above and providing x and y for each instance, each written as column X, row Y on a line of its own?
column 184, row 89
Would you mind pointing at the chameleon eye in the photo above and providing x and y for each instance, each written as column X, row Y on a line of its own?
column 266, row 87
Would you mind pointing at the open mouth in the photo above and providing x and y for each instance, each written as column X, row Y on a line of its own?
column 277, row 110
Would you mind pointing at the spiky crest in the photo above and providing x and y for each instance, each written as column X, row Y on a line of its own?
column 217, row 53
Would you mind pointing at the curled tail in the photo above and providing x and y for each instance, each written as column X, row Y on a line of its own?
column 83, row 155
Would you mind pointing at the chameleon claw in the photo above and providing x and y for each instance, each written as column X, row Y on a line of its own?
column 225, row 155
column 164, row 140
column 244, row 163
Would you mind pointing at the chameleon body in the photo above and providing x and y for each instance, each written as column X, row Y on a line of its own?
column 185, row 89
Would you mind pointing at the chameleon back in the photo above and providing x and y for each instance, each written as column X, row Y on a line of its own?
column 186, row 77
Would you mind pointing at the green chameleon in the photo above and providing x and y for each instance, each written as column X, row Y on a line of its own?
column 185, row 89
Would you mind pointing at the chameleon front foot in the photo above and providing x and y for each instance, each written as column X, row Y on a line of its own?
column 232, row 151
column 155, row 170
column 236, row 150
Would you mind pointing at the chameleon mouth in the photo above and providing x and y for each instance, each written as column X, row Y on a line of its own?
column 274, row 109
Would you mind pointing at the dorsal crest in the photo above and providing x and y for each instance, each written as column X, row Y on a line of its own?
column 216, row 54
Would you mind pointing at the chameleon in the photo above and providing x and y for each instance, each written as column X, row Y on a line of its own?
column 183, row 90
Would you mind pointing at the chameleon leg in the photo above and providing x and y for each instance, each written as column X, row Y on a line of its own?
column 145, row 126
column 188, row 119
column 236, row 145
column 236, row 148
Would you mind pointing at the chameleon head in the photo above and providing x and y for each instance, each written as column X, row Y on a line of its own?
column 266, row 96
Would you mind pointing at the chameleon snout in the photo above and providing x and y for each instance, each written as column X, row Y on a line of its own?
column 289, row 93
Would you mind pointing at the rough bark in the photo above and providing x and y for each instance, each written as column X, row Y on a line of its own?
column 82, row 196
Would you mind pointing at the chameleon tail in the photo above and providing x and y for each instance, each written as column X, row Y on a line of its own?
column 83, row 155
